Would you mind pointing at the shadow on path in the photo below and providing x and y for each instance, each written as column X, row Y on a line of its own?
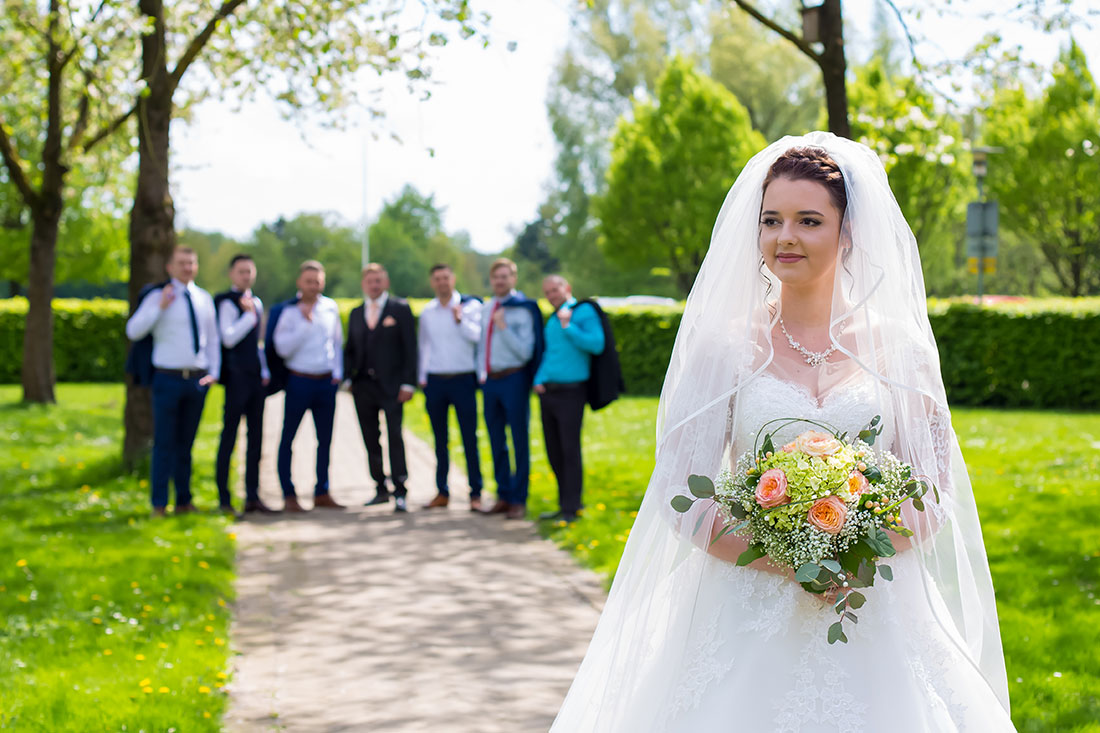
column 366, row 620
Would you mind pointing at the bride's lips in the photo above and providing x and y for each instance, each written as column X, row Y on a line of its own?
column 788, row 258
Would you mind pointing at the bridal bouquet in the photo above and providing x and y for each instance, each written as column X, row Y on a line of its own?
column 820, row 505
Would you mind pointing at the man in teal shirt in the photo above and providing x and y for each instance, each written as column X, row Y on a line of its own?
column 573, row 335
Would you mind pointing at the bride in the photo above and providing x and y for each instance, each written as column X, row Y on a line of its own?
column 810, row 303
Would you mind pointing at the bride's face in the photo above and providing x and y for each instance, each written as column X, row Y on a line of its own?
column 799, row 231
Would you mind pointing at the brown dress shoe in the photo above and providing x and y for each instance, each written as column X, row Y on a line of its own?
column 291, row 506
column 439, row 502
column 475, row 503
column 185, row 509
column 325, row 501
column 516, row 511
column 159, row 511
column 501, row 507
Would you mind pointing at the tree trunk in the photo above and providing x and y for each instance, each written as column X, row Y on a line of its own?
column 834, row 68
column 38, row 370
column 152, row 220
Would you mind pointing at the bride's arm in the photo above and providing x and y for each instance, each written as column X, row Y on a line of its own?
column 729, row 547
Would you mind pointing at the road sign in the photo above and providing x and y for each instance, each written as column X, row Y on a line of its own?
column 982, row 219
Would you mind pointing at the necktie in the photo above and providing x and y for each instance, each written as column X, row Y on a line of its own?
column 489, row 336
column 372, row 315
column 194, row 320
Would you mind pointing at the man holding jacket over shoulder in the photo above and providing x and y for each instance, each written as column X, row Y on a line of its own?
column 573, row 336
column 380, row 361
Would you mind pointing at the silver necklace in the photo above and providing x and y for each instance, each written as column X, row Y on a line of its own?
column 813, row 358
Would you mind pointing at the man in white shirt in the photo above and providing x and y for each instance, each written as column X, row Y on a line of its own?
column 450, row 328
column 245, row 377
column 309, row 337
column 186, row 355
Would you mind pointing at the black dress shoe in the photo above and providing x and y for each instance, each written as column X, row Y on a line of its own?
column 550, row 516
column 568, row 517
column 400, row 505
column 378, row 499
column 229, row 511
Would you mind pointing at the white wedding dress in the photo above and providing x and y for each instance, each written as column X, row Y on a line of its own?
column 758, row 659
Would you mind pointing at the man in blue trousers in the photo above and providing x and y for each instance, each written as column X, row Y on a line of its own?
column 508, row 354
column 309, row 336
column 450, row 329
column 179, row 317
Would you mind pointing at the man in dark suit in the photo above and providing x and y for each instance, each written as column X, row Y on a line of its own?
column 380, row 361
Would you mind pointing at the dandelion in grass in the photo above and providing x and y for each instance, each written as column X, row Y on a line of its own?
column 164, row 690
column 204, row 564
column 139, row 657
column 107, row 652
column 204, row 689
column 145, row 682
column 21, row 563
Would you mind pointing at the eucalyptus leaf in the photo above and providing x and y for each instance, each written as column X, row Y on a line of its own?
column 851, row 617
column 755, row 552
column 738, row 511
column 701, row 486
column 699, row 523
column 831, row 565
column 807, row 573
column 886, row 572
column 836, row 633
column 918, row 504
column 856, row 599
column 682, row 503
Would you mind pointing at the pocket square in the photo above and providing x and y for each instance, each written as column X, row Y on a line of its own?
column 389, row 321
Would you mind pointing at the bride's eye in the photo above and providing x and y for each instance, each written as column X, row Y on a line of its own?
column 769, row 221
column 811, row 222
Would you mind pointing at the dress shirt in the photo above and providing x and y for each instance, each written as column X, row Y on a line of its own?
column 381, row 300
column 569, row 350
column 447, row 347
column 234, row 325
column 513, row 346
column 171, row 328
column 312, row 347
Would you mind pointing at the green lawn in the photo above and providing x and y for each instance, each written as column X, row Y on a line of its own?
column 1036, row 477
column 111, row 620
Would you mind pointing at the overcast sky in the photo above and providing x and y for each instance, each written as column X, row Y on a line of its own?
column 486, row 121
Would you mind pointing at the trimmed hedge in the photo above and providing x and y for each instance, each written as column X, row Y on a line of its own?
column 1034, row 353
column 89, row 339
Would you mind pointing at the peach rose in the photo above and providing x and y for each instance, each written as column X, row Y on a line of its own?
column 828, row 514
column 788, row 448
column 816, row 443
column 771, row 490
column 858, row 483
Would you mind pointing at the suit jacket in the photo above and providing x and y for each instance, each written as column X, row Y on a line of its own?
column 388, row 350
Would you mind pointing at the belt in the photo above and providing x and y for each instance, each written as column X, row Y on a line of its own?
column 504, row 373
column 563, row 386
column 449, row 375
column 304, row 375
column 183, row 373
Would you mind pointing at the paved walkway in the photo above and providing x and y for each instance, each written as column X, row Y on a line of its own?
column 364, row 620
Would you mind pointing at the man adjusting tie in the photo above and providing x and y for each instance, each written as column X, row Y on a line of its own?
column 309, row 336
column 186, row 359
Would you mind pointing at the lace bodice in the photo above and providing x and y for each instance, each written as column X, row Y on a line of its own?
column 848, row 407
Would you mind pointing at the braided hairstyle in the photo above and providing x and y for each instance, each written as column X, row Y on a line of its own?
column 811, row 164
